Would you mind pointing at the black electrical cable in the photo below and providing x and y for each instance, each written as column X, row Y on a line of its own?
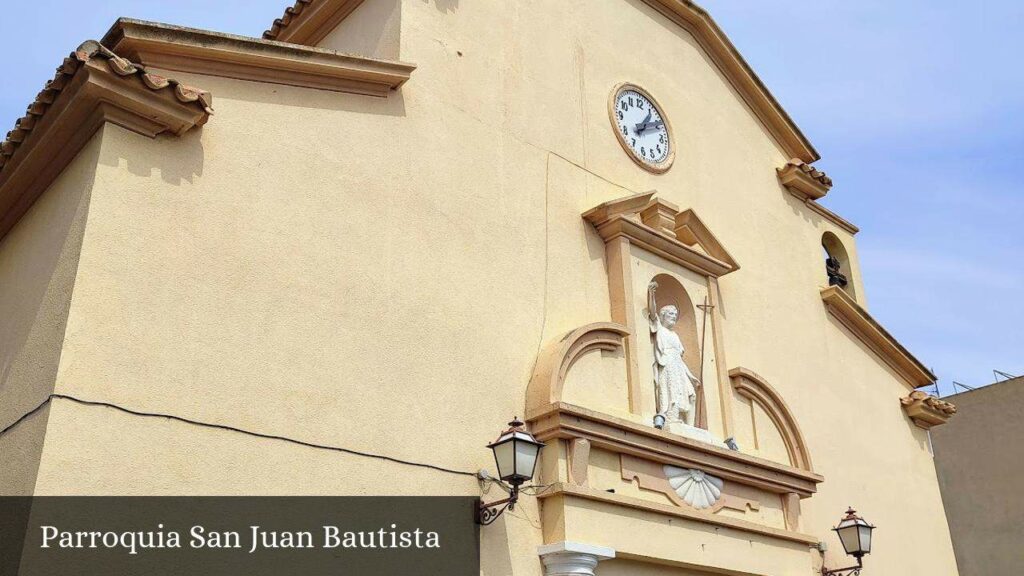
column 233, row 429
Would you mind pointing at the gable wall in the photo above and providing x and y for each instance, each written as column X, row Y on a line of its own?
column 319, row 265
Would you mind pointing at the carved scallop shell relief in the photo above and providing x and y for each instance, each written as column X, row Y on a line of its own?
column 695, row 487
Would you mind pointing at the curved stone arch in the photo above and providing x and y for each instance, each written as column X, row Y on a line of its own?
column 556, row 359
column 835, row 248
column 751, row 385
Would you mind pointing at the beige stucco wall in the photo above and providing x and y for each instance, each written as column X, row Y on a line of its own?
column 380, row 274
column 372, row 29
column 38, row 264
column 980, row 462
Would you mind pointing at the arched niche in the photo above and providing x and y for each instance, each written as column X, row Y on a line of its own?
column 671, row 291
column 764, row 399
column 836, row 251
column 547, row 384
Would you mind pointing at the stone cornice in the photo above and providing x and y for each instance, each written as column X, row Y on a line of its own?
column 217, row 54
column 832, row 217
column 567, row 421
column 565, row 490
column 926, row 410
column 808, row 185
column 694, row 19
column 803, row 180
column 661, row 228
column 871, row 334
column 92, row 86
column 309, row 21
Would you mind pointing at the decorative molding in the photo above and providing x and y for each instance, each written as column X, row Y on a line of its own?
column 832, row 216
column 791, row 511
column 661, row 215
column 579, row 461
column 309, row 21
column 644, row 220
column 572, row 558
column 695, row 20
column 927, row 410
column 230, row 56
column 749, row 384
column 569, row 422
column 563, row 490
column 803, row 180
column 718, row 344
column 624, row 311
column 876, row 338
column 808, row 184
column 92, row 86
column 695, row 487
column 548, row 378
column 653, row 476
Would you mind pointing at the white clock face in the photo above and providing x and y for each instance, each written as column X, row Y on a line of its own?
column 642, row 128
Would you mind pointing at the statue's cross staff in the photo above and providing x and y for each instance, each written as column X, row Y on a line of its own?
column 703, row 338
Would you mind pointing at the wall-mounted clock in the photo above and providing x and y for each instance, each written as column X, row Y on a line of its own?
column 642, row 128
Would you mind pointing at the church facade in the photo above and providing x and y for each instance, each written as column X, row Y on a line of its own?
column 390, row 225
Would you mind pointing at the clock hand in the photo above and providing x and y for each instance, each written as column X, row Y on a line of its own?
column 643, row 124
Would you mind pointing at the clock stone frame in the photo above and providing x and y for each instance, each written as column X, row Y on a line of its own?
column 656, row 168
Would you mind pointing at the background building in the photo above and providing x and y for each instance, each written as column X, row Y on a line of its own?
column 979, row 457
column 396, row 251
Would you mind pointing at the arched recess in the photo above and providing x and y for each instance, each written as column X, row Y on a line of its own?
column 841, row 275
column 749, row 384
column 670, row 291
column 546, row 384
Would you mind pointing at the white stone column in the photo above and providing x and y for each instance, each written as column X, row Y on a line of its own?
column 572, row 558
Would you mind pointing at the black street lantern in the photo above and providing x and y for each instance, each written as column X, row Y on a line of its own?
column 855, row 535
column 515, row 454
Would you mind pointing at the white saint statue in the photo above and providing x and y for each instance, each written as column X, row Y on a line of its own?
column 675, row 384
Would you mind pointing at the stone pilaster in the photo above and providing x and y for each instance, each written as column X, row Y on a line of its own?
column 572, row 558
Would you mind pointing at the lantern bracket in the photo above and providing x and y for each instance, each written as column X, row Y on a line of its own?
column 489, row 512
column 849, row 571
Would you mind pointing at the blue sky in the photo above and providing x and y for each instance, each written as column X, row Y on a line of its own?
column 917, row 108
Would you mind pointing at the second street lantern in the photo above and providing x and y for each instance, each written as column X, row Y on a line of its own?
column 855, row 534
column 515, row 453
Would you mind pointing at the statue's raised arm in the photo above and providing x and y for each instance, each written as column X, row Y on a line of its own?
column 652, row 307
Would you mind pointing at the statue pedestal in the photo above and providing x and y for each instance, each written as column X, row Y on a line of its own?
column 694, row 433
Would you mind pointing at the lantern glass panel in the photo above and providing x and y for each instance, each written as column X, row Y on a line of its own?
column 865, row 539
column 526, row 458
column 504, row 457
column 848, row 535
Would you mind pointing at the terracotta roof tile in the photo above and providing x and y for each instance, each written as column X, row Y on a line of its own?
column 286, row 19
column 91, row 50
column 936, row 403
column 811, row 171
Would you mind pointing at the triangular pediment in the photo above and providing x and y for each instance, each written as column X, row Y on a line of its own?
column 690, row 230
column 662, row 228
column 309, row 21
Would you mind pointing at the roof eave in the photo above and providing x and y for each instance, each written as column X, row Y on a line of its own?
column 211, row 53
column 86, row 93
column 862, row 325
column 698, row 22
